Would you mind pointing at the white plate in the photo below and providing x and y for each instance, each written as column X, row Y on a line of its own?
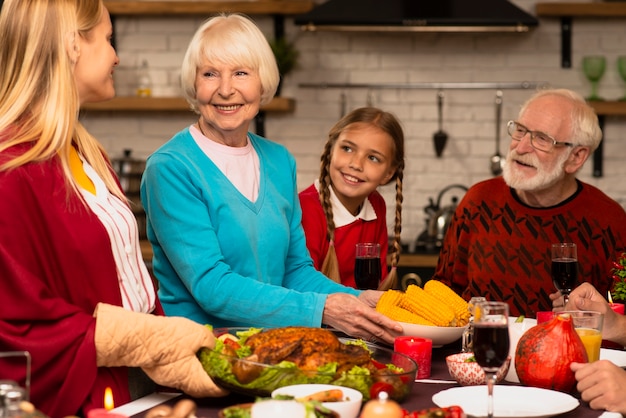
column 616, row 356
column 508, row 401
column 439, row 335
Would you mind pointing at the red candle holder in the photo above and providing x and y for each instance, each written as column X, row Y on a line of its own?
column 419, row 349
column 617, row 308
column 544, row 316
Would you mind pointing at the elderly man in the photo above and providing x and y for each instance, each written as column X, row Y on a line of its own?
column 498, row 242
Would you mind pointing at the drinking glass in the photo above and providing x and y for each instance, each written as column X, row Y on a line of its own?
column 564, row 268
column 466, row 339
column 593, row 68
column 491, row 342
column 621, row 69
column 367, row 268
column 588, row 326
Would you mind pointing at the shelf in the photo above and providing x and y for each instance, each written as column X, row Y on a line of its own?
column 609, row 108
column 567, row 11
column 168, row 8
column 175, row 104
column 582, row 10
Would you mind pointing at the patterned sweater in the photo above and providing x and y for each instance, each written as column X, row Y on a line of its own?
column 499, row 248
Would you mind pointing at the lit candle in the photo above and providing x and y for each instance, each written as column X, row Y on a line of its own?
column 616, row 307
column 418, row 349
column 108, row 399
column 108, row 406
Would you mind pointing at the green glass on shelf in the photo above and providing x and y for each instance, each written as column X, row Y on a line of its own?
column 621, row 69
column 593, row 68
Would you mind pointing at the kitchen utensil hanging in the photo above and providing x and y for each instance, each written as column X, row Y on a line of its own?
column 440, row 137
column 497, row 161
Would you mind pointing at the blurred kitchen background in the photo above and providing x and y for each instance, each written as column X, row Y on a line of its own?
column 415, row 64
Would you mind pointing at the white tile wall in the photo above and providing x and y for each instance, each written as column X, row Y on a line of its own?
column 387, row 58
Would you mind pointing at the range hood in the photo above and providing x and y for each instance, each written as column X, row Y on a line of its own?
column 417, row 16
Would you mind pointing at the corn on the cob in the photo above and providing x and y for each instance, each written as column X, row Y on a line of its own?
column 422, row 303
column 389, row 305
column 451, row 299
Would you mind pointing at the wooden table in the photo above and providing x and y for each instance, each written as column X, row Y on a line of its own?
column 420, row 397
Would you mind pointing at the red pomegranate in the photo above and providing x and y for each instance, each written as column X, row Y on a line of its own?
column 545, row 352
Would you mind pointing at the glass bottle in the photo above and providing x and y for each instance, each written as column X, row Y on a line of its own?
column 144, row 82
column 466, row 340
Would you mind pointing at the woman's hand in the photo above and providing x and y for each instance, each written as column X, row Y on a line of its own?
column 358, row 318
column 602, row 384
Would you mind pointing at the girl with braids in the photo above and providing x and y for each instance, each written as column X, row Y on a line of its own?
column 365, row 149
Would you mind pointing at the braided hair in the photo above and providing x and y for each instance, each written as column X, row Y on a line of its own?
column 388, row 123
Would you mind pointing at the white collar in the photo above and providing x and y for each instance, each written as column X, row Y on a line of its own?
column 342, row 216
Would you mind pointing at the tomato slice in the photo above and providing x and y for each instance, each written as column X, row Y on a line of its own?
column 232, row 343
column 378, row 365
column 379, row 387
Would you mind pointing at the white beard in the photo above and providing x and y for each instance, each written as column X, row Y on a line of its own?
column 543, row 178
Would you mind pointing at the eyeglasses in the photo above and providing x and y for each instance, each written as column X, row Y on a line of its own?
column 538, row 140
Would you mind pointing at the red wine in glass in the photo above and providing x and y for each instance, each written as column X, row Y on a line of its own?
column 491, row 342
column 491, row 345
column 367, row 273
column 565, row 275
column 564, row 268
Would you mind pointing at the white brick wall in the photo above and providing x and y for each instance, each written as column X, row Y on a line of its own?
column 387, row 58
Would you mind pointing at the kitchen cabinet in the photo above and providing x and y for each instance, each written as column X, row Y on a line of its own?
column 567, row 11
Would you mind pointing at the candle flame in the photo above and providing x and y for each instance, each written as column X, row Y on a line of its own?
column 108, row 399
column 610, row 298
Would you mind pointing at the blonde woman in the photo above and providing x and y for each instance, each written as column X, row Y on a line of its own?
column 75, row 292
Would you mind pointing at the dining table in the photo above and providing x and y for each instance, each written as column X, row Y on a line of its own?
column 420, row 397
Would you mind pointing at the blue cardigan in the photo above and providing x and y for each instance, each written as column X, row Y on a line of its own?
column 221, row 259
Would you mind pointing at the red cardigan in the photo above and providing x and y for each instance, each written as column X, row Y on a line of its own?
column 346, row 237
column 500, row 248
column 56, row 264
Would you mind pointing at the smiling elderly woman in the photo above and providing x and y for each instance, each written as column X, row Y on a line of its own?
column 222, row 207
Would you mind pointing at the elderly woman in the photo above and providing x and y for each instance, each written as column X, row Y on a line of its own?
column 222, row 205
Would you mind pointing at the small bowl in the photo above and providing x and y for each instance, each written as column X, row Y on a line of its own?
column 269, row 409
column 349, row 407
column 470, row 373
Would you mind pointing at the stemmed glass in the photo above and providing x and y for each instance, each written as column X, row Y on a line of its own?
column 593, row 67
column 621, row 69
column 491, row 342
column 564, row 268
column 466, row 338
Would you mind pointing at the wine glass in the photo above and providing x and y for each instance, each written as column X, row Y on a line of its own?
column 491, row 342
column 593, row 67
column 466, row 338
column 621, row 69
column 564, row 268
column 367, row 266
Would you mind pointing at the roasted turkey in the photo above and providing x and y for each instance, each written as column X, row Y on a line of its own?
column 308, row 348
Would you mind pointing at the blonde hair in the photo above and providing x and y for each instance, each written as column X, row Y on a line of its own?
column 39, row 98
column 584, row 125
column 231, row 39
column 388, row 123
